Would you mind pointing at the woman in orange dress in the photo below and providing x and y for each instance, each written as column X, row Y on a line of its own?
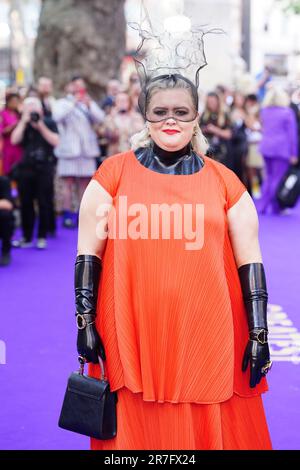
column 170, row 286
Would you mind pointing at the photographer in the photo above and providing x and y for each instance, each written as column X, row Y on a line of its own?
column 38, row 136
column 76, row 115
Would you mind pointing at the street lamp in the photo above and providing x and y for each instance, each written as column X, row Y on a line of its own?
column 246, row 32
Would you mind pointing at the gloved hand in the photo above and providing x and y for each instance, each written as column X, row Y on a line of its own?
column 89, row 343
column 258, row 355
column 253, row 284
column 87, row 276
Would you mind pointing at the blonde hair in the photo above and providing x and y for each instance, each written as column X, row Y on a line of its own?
column 221, row 109
column 33, row 100
column 276, row 96
column 143, row 139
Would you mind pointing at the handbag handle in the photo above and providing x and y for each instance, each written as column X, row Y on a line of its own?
column 82, row 361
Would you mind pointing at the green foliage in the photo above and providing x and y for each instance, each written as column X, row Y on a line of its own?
column 291, row 6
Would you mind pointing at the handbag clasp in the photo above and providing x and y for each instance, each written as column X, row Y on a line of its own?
column 82, row 361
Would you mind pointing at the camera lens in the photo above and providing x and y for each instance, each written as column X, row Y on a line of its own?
column 34, row 117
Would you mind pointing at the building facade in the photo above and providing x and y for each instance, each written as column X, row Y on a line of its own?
column 275, row 40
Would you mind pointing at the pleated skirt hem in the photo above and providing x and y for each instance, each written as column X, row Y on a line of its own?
column 236, row 424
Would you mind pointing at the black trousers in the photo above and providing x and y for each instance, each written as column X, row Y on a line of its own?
column 239, row 155
column 7, row 223
column 36, row 183
column 52, row 211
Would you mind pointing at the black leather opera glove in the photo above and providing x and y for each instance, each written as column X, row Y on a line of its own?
column 87, row 276
column 254, row 289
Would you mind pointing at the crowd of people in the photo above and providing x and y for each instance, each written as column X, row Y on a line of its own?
column 50, row 148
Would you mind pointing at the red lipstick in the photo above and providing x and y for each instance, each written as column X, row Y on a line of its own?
column 171, row 131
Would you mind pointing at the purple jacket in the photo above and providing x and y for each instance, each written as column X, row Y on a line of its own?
column 279, row 132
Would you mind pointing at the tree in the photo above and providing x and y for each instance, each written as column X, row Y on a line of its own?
column 78, row 37
column 292, row 6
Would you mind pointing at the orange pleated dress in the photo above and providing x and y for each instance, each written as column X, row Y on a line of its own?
column 171, row 317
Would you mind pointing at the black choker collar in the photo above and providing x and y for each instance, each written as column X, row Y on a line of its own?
column 169, row 158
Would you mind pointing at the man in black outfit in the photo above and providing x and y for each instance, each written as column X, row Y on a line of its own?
column 45, row 94
column 6, row 220
column 38, row 134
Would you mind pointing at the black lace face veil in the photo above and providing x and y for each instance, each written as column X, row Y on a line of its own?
column 167, row 59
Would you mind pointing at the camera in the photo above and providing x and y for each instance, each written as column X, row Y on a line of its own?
column 34, row 117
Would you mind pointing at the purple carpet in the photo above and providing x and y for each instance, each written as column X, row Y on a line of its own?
column 38, row 339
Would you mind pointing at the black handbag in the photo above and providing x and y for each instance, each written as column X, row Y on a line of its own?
column 288, row 190
column 89, row 407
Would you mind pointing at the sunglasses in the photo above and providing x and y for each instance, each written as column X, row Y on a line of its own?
column 178, row 114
